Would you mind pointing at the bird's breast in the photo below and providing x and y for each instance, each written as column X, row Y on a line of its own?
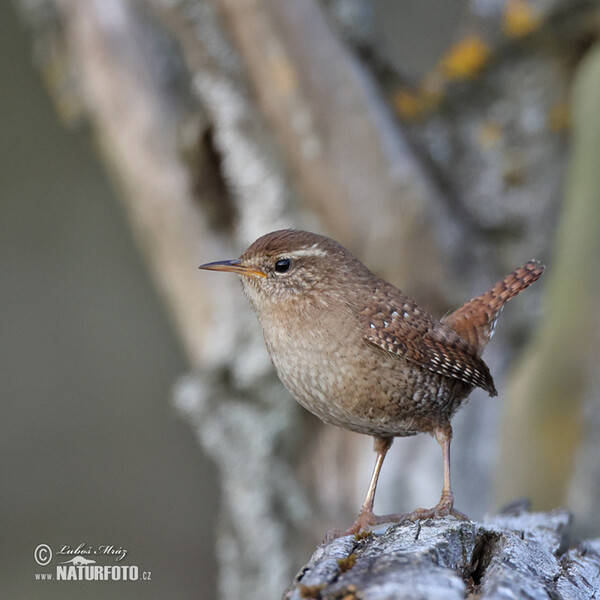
column 323, row 359
column 313, row 350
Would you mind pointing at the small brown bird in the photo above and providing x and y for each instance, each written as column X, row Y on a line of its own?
column 359, row 354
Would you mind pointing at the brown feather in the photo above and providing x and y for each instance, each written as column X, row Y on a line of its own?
column 393, row 322
column 475, row 320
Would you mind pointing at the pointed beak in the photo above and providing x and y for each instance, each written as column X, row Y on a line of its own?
column 233, row 266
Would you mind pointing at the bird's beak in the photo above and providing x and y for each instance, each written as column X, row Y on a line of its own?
column 233, row 266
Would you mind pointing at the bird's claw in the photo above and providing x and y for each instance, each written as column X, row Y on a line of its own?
column 436, row 512
column 444, row 508
column 366, row 519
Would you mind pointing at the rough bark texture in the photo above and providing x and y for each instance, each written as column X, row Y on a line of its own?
column 508, row 556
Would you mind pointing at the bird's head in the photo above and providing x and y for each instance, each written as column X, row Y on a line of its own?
column 288, row 264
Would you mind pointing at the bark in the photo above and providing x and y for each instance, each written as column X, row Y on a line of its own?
column 507, row 556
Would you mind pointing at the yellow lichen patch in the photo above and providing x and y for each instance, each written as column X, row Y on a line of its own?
column 311, row 591
column 408, row 104
column 415, row 104
column 465, row 59
column 519, row 19
column 559, row 116
column 363, row 535
column 345, row 564
column 490, row 134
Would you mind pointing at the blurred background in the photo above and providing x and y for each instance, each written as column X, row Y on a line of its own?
column 443, row 143
column 92, row 452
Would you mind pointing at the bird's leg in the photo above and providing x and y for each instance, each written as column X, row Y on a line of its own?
column 366, row 518
column 381, row 446
column 444, row 437
column 445, row 507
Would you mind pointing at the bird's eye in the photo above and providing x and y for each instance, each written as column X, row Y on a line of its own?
column 283, row 265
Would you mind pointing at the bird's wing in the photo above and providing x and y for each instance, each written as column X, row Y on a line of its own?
column 393, row 322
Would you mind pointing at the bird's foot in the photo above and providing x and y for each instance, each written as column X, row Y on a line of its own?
column 433, row 513
column 444, row 508
column 365, row 520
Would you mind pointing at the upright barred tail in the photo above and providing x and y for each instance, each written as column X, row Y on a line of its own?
column 475, row 320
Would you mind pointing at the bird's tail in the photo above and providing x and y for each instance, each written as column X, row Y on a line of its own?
column 475, row 320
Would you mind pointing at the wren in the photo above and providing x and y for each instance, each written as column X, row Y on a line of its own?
column 358, row 353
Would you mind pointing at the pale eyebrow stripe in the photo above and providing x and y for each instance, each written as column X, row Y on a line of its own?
column 305, row 252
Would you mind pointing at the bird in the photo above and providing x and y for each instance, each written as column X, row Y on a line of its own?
column 358, row 353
